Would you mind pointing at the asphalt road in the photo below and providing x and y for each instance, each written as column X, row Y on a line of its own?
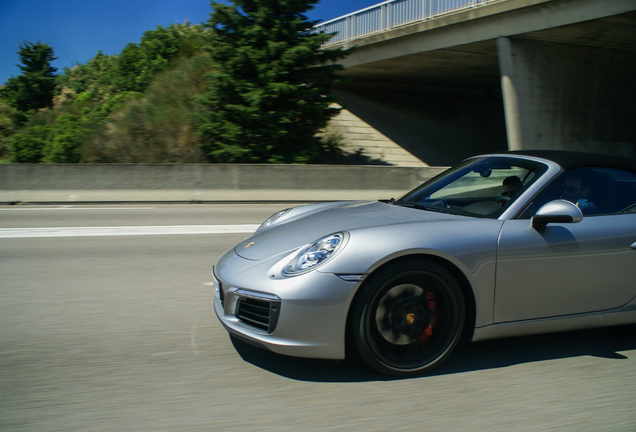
column 106, row 324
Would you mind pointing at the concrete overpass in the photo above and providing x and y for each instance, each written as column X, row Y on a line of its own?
column 509, row 74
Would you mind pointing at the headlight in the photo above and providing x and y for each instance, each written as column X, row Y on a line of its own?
column 315, row 254
column 273, row 218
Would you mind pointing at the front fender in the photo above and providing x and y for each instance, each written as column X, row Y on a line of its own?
column 470, row 246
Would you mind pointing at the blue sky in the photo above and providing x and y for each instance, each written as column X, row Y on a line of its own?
column 77, row 29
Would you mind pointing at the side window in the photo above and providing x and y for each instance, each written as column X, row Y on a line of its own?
column 615, row 191
column 596, row 190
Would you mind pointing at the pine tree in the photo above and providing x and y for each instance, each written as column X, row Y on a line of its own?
column 269, row 92
column 33, row 88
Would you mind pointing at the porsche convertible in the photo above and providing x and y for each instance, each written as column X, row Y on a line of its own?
column 500, row 245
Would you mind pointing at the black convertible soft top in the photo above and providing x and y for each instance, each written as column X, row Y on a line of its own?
column 574, row 159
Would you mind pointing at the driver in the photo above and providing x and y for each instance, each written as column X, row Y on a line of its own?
column 511, row 185
column 576, row 189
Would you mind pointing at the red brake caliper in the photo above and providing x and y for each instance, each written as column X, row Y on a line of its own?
column 431, row 304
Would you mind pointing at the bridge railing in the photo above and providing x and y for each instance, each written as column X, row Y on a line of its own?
column 388, row 15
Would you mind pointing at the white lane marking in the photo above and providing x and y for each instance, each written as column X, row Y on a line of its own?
column 124, row 231
column 71, row 208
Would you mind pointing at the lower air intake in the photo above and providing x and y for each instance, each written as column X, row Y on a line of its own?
column 259, row 313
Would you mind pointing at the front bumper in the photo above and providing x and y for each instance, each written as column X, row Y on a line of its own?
column 301, row 316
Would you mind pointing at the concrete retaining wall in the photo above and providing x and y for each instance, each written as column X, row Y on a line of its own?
column 38, row 183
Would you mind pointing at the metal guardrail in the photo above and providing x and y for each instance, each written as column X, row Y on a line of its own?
column 388, row 15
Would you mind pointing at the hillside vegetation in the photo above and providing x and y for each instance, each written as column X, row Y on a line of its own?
column 250, row 85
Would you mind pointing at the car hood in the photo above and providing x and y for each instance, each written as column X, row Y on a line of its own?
column 309, row 226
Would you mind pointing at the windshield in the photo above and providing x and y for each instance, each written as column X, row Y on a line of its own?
column 480, row 187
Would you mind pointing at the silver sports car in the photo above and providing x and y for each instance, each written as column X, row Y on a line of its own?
column 500, row 245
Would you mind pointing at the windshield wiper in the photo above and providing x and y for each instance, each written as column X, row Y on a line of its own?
column 422, row 207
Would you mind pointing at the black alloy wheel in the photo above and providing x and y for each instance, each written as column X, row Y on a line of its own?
column 408, row 318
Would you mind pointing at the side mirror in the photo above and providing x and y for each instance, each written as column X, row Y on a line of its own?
column 557, row 211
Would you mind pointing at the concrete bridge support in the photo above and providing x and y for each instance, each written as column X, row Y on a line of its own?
column 563, row 96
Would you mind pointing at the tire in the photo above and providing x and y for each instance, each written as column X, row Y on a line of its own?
column 408, row 317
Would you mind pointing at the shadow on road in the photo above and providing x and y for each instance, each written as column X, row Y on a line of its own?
column 605, row 343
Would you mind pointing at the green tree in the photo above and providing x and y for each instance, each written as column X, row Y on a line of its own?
column 60, row 135
column 27, row 145
column 138, row 63
column 157, row 127
column 94, row 77
column 34, row 87
column 99, row 112
column 7, row 114
column 270, row 90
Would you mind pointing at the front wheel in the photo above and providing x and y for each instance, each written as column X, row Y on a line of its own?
column 408, row 318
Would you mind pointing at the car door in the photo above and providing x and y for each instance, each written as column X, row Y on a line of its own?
column 565, row 268
column 568, row 268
